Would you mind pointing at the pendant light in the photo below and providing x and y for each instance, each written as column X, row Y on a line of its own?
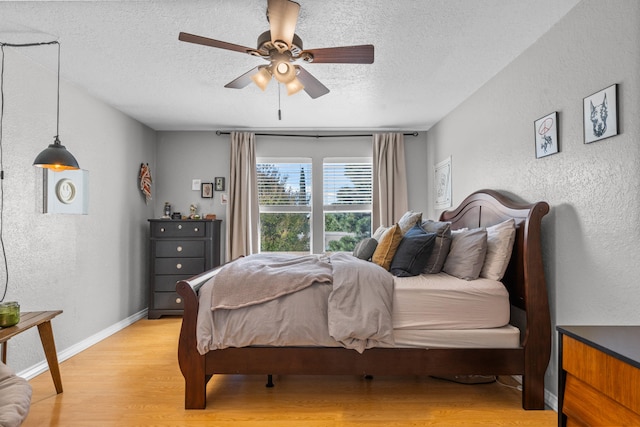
column 55, row 156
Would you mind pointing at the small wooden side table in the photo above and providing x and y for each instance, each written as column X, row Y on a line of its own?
column 41, row 319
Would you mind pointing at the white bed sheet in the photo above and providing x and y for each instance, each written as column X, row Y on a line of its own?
column 441, row 301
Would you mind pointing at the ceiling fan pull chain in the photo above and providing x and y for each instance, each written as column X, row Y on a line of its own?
column 279, row 112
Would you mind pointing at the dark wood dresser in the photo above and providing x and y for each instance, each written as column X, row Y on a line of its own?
column 599, row 376
column 178, row 249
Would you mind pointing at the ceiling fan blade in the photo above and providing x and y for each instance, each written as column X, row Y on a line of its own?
column 312, row 86
column 243, row 80
column 283, row 17
column 361, row 54
column 192, row 38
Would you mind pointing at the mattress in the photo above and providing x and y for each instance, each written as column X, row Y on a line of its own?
column 505, row 337
column 441, row 301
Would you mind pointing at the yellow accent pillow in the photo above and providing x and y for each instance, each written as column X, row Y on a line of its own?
column 387, row 247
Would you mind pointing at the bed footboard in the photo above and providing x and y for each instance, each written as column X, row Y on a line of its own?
column 192, row 363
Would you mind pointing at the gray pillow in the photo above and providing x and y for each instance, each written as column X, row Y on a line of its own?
column 413, row 252
column 440, row 247
column 365, row 248
column 467, row 253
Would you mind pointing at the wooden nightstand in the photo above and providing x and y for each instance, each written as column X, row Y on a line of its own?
column 599, row 375
column 41, row 319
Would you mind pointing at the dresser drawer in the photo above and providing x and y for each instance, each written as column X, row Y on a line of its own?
column 178, row 248
column 167, row 282
column 178, row 229
column 167, row 301
column 187, row 266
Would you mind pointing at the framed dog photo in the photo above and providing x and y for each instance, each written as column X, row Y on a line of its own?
column 546, row 135
column 601, row 114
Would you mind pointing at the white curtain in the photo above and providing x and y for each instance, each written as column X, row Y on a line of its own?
column 242, row 210
column 390, row 199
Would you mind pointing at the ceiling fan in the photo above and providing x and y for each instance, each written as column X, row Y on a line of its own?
column 282, row 48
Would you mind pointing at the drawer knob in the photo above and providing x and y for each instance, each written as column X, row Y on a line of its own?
column 179, row 226
column 178, row 300
column 178, row 266
column 196, row 229
column 162, row 229
column 179, row 248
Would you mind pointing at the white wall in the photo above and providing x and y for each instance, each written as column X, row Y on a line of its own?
column 590, row 236
column 183, row 156
column 91, row 266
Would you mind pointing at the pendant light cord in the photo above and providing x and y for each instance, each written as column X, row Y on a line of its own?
column 58, row 95
column 4, row 252
column 2, row 246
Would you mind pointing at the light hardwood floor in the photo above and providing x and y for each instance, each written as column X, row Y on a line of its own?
column 132, row 379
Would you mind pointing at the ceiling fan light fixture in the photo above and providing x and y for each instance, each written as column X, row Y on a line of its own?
column 283, row 71
column 294, row 86
column 262, row 78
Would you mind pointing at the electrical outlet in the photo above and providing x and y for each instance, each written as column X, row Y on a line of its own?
column 195, row 184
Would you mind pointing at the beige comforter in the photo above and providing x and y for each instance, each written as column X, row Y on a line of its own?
column 353, row 309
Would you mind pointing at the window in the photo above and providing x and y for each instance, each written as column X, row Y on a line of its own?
column 347, row 202
column 288, row 205
column 284, row 196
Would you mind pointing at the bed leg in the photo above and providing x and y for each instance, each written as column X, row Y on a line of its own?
column 269, row 383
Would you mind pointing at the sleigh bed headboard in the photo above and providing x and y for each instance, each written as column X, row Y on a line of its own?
column 524, row 278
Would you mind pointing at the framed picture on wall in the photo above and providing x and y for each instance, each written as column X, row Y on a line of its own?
column 219, row 183
column 601, row 114
column 443, row 184
column 546, row 135
column 206, row 190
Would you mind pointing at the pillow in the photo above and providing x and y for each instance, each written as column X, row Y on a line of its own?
column 365, row 248
column 440, row 247
column 15, row 397
column 467, row 253
column 409, row 219
column 387, row 247
column 500, row 238
column 413, row 251
column 379, row 232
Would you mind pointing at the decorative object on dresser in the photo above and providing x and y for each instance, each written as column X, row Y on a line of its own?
column 599, row 375
column 178, row 249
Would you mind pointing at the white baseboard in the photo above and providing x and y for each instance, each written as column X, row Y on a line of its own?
column 550, row 399
column 65, row 354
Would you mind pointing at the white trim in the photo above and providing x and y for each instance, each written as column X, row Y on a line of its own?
column 69, row 352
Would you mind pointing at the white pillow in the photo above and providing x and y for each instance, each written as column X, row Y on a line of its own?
column 500, row 238
column 408, row 220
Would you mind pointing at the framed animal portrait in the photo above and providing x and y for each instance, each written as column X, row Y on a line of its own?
column 546, row 135
column 601, row 115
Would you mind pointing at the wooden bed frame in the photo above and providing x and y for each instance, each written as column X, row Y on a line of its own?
column 524, row 280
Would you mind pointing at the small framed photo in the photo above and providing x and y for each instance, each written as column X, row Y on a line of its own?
column 546, row 135
column 601, row 114
column 206, row 190
column 219, row 183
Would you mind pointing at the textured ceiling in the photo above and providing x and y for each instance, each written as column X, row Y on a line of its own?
column 430, row 55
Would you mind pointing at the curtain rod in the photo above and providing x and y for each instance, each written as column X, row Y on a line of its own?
column 218, row 132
